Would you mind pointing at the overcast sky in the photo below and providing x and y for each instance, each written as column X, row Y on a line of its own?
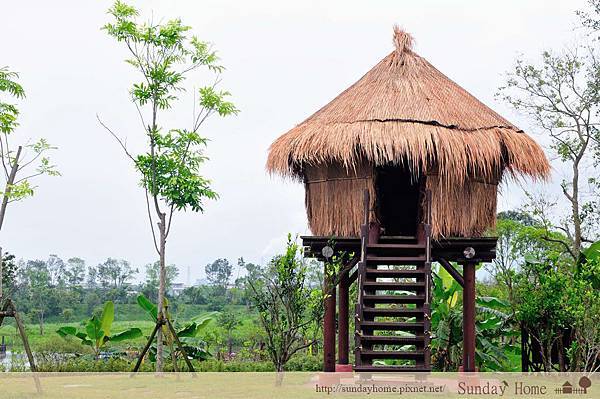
column 284, row 61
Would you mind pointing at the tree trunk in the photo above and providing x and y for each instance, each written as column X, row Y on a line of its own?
column 1, row 277
column 41, row 323
column 9, row 183
column 575, row 208
column 161, row 292
column 279, row 375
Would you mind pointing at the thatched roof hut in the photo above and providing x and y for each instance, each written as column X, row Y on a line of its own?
column 404, row 126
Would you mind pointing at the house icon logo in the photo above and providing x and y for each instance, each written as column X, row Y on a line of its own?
column 568, row 389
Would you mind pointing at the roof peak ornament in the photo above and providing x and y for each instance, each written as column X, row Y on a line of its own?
column 403, row 41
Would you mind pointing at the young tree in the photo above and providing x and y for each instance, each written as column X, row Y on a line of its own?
column 228, row 321
column 219, row 274
column 9, row 271
column 42, row 295
column 75, row 272
column 115, row 273
column 164, row 55
column 286, row 305
column 56, row 270
column 150, row 288
column 92, row 278
column 25, row 163
column 562, row 97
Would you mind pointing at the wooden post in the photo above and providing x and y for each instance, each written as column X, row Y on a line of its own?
column 157, row 326
column 180, row 346
column 24, row 338
column 469, row 317
column 329, row 322
column 343, row 327
column 524, row 350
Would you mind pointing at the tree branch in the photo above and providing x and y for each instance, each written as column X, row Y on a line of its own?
column 121, row 143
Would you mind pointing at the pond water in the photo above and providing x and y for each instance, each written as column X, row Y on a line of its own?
column 8, row 359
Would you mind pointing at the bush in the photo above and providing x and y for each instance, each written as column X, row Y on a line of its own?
column 56, row 344
column 118, row 364
column 304, row 363
column 83, row 364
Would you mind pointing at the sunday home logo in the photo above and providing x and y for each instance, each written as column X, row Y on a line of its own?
column 501, row 388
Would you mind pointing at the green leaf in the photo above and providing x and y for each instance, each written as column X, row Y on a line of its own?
column 592, row 252
column 189, row 330
column 93, row 329
column 66, row 330
column 532, row 259
column 204, row 319
column 108, row 316
column 148, row 306
column 492, row 302
column 128, row 334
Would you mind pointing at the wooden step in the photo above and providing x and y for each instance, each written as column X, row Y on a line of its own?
column 392, row 312
column 393, row 285
column 393, row 249
column 371, row 354
column 379, row 245
column 389, row 369
column 394, row 260
column 397, row 239
column 392, row 326
column 394, row 273
column 371, row 298
column 391, row 340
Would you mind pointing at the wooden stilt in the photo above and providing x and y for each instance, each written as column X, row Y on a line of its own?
column 343, row 324
column 469, row 317
column 329, row 323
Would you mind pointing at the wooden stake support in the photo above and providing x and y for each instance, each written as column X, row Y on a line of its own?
column 9, row 310
column 162, row 321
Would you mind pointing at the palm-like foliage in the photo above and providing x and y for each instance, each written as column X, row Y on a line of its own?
column 492, row 327
column 97, row 334
column 188, row 334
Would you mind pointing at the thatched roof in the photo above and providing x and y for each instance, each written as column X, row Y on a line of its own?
column 405, row 110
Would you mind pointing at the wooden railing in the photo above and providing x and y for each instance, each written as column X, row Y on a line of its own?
column 364, row 241
column 427, row 228
column 428, row 283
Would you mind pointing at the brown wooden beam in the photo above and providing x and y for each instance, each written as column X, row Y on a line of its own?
column 343, row 324
column 469, row 317
column 329, row 322
column 452, row 271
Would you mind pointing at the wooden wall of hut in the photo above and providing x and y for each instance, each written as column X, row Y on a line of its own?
column 334, row 198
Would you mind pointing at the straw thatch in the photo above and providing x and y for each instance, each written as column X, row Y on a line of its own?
column 332, row 195
column 406, row 111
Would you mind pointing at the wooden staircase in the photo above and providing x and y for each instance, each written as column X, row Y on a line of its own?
column 393, row 313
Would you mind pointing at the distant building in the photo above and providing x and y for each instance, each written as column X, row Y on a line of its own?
column 177, row 288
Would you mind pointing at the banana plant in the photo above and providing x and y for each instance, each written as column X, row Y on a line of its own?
column 492, row 327
column 193, row 346
column 97, row 334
